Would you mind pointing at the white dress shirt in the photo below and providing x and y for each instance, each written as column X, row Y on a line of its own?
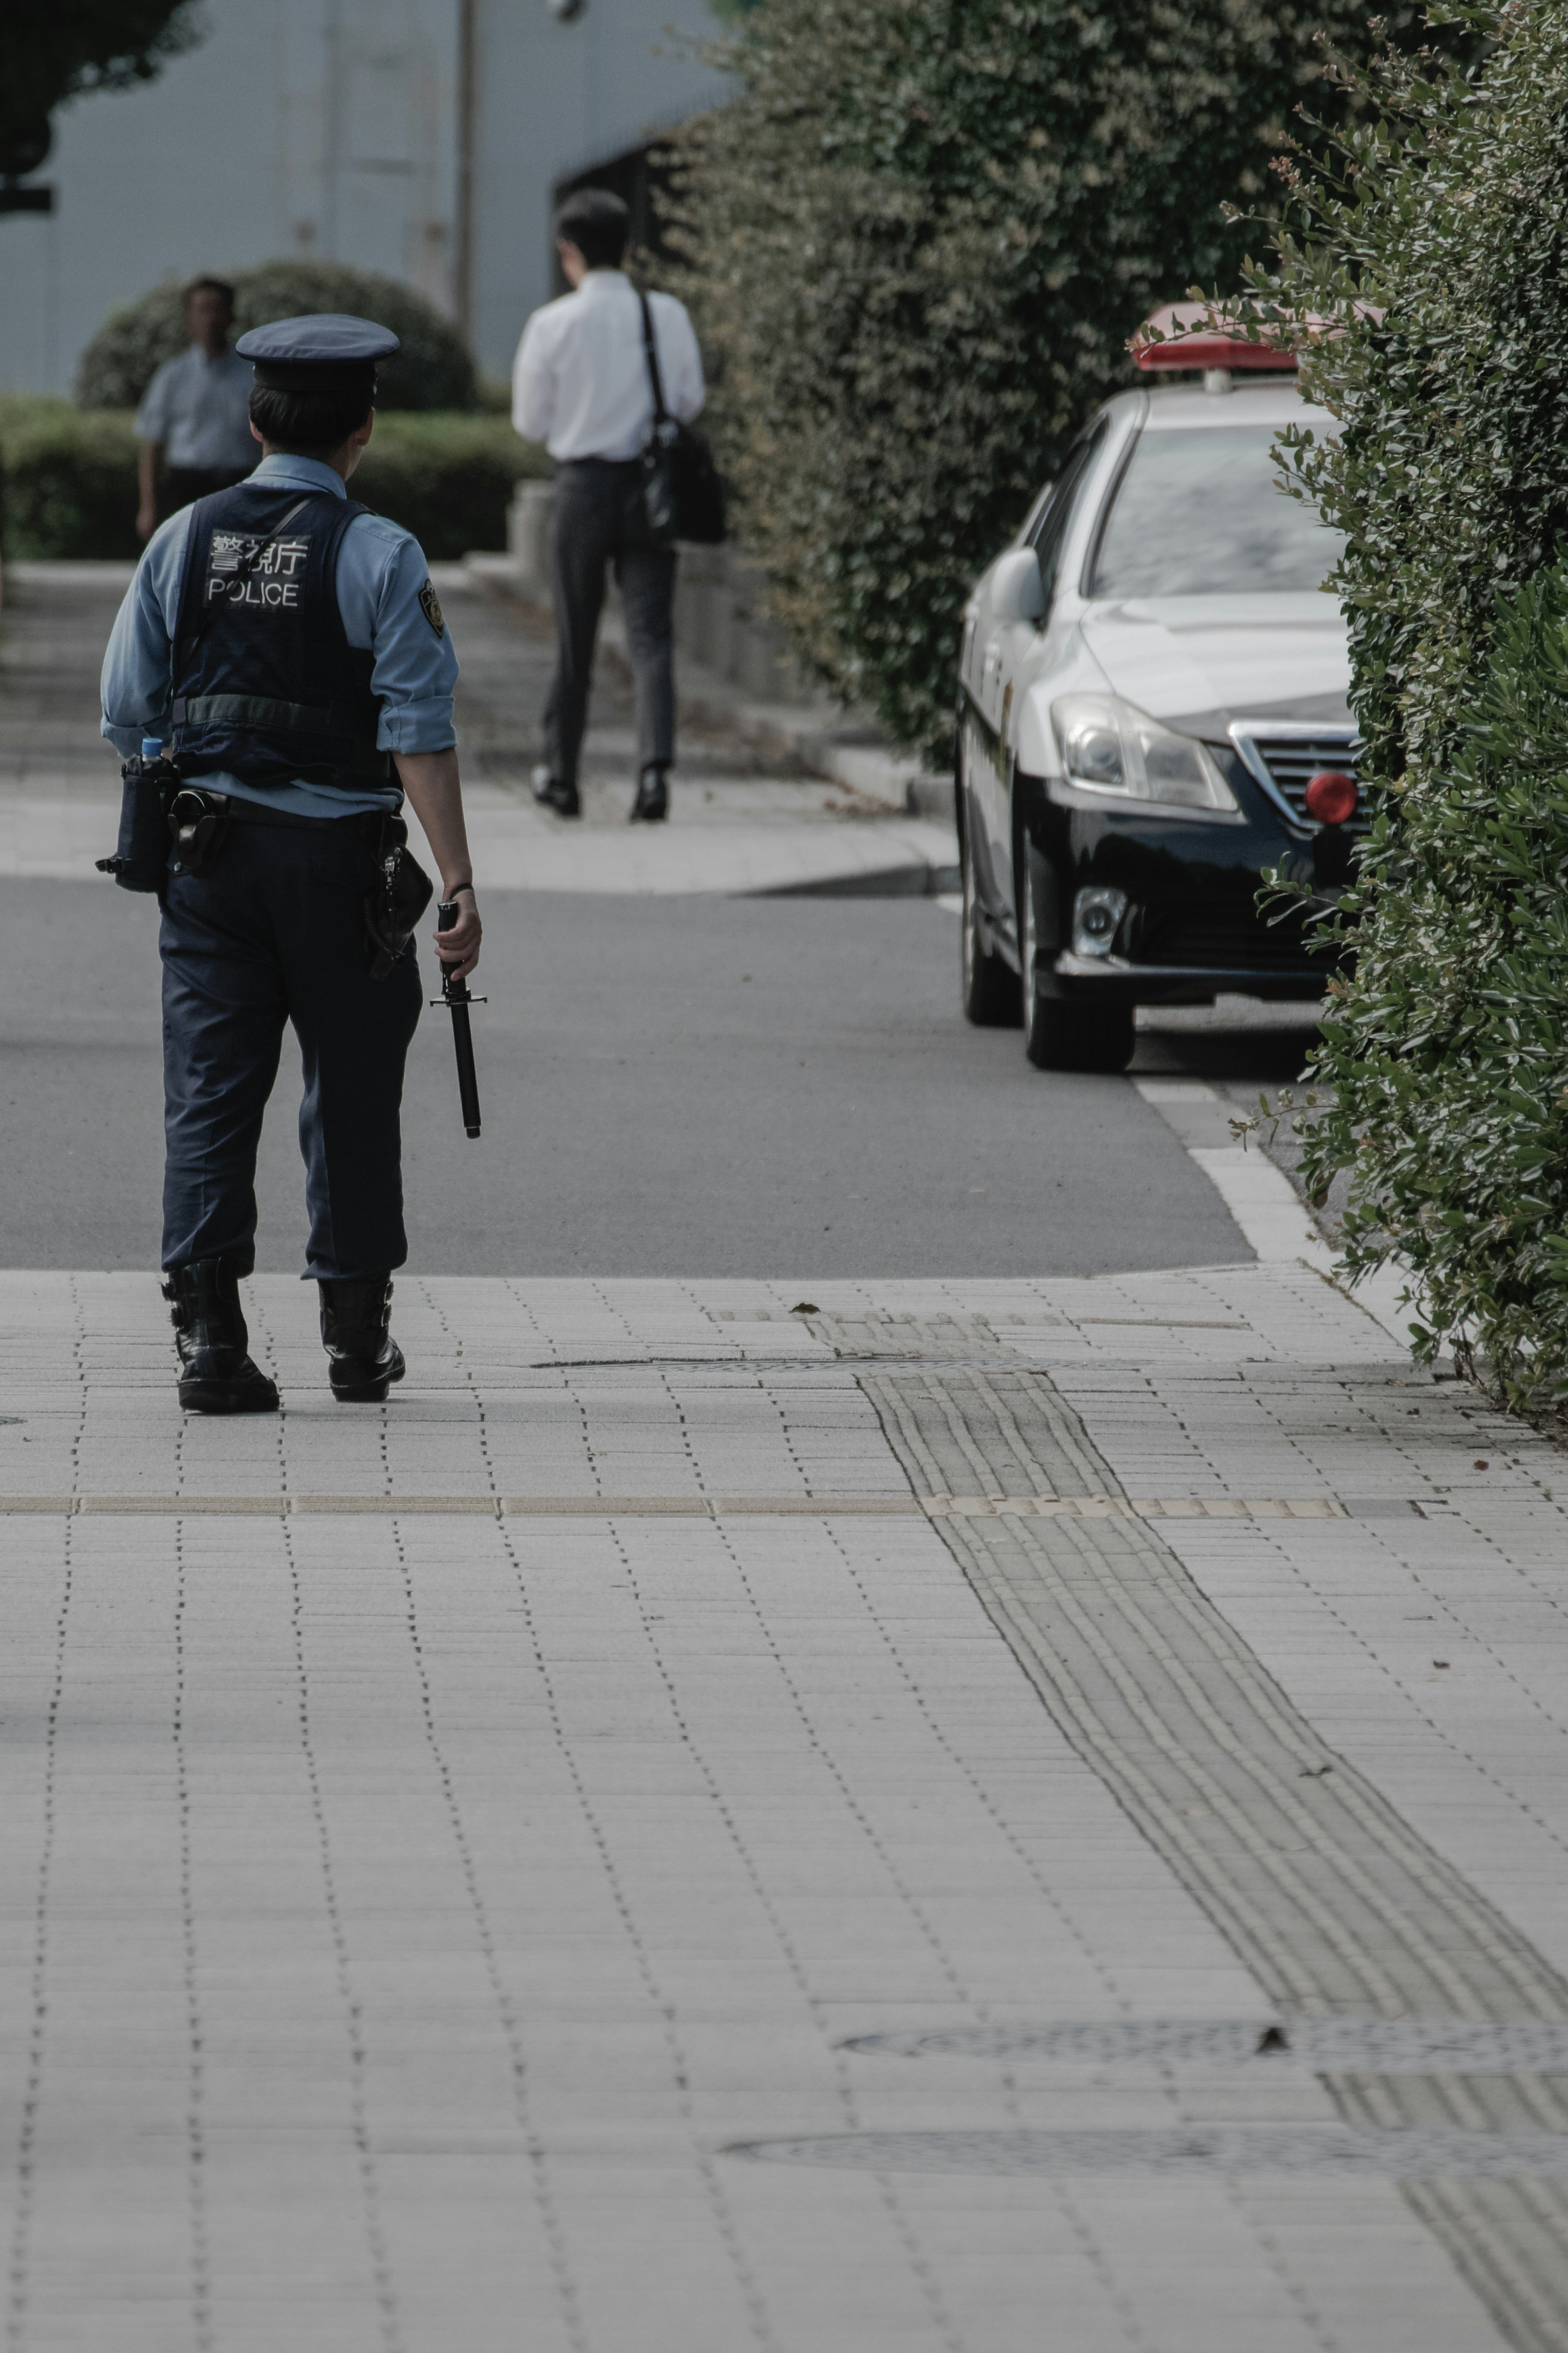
column 579, row 382
column 200, row 410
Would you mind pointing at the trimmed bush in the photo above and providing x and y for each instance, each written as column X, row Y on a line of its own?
column 433, row 370
column 1440, row 241
column 925, row 232
column 449, row 480
column 68, row 478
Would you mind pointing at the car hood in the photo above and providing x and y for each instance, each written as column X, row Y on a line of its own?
column 1200, row 662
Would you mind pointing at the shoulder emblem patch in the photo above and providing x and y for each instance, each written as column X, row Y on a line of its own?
column 430, row 605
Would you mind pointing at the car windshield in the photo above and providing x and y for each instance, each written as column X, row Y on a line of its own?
column 1200, row 513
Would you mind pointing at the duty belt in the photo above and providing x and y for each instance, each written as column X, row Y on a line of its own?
column 364, row 823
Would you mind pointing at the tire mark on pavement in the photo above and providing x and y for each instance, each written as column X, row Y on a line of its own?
column 353, row 2008
column 19, row 2296
column 195, row 2136
column 748, row 2287
column 566, row 2288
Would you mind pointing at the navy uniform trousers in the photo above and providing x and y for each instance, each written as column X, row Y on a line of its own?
column 275, row 933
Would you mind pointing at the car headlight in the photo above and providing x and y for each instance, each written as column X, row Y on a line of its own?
column 1111, row 746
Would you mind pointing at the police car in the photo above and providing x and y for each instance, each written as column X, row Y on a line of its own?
column 1152, row 711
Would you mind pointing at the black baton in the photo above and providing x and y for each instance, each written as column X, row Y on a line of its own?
column 455, row 996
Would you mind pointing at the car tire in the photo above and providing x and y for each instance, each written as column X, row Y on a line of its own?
column 991, row 995
column 1059, row 1035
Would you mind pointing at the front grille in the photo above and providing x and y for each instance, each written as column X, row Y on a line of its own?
column 1239, row 945
column 1292, row 761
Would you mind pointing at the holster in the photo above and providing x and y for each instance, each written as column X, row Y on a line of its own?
column 395, row 900
column 198, row 826
column 140, row 859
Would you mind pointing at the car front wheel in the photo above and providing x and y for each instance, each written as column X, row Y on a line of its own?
column 1059, row 1036
column 990, row 985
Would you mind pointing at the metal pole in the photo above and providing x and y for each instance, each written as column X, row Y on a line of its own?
column 468, row 109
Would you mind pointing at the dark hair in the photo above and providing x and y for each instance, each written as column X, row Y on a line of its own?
column 598, row 224
column 205, row 285
column 309, row 424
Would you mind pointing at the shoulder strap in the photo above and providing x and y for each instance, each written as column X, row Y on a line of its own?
column 650, row 350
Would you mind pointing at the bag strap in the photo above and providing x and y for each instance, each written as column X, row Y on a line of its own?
column 650, row 353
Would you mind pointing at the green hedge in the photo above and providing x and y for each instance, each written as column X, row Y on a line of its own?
column 449, row 480
column 921, row 236
column 1438, row 242
column 67, row 481
column 68, row 478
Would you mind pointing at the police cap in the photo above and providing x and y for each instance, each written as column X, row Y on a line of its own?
column 327, row 352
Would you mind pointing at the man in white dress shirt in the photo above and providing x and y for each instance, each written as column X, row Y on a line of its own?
column 580, row 385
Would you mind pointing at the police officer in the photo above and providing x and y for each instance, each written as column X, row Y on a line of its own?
column 288, row 648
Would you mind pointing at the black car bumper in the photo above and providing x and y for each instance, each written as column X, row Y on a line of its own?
column 1192, row 929
column 1106, row 980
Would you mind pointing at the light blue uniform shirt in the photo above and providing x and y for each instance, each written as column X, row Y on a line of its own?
column 380, row 571
column 200, row 410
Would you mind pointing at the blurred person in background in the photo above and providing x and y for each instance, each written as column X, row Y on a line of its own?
column 581, row 384
column 195, row 417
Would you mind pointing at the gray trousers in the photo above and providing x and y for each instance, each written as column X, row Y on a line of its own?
column 599, row 521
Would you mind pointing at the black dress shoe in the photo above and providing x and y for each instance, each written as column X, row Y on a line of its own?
column 217, row 1374
column 652, row 803
column 363, row 1359
column 549, row 793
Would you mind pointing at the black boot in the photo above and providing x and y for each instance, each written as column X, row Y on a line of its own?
column 364, row 1358
column 551, row 794
column 652, row 803
column 217, row 1374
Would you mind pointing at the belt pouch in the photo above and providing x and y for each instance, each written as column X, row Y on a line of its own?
column 141, row 855
column 198, row 822
column 395, row 900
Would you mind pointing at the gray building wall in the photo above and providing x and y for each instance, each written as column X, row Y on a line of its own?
column 555, row 99
column 329, row 128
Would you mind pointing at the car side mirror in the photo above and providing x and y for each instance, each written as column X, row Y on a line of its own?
column 1017, row 591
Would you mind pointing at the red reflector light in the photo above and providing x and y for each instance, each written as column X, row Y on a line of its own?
column 1331, row 796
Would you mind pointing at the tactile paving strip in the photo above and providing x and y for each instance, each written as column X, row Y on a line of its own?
column 1323, row 1890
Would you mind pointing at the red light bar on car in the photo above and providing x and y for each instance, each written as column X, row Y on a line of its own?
column 1194, row 336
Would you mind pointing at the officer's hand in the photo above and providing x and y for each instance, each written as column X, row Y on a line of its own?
column 460, row 945
column 146, row 521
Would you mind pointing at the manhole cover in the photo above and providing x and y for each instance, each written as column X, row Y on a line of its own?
column 1327, row 2046
column 1224, row 2149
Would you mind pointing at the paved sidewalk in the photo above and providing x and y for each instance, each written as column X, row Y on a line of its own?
column 454, row 1855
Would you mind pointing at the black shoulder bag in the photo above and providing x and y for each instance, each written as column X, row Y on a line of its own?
column 683, row 497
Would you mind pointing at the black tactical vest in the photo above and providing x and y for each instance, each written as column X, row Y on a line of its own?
column 266, row 685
